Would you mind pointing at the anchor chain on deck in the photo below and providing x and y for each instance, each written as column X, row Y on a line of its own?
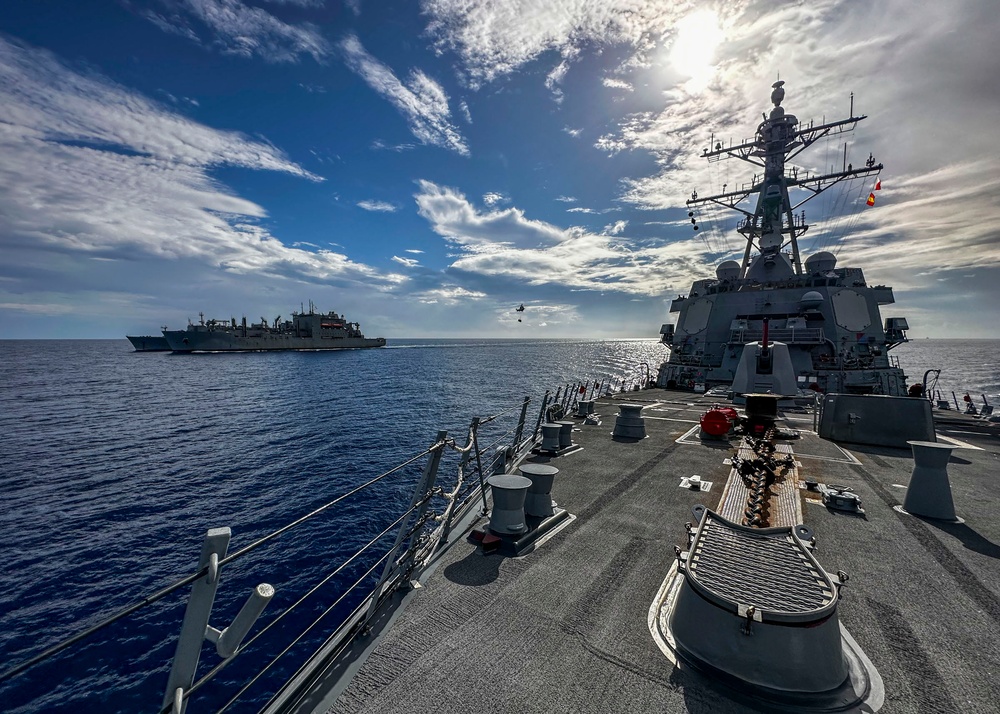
column 758, row 475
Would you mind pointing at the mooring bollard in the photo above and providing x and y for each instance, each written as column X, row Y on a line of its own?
column 509, row 492
column 550, row 436
column 929, row 491
column 565, row 433
column 538, row 502
column 629, row 423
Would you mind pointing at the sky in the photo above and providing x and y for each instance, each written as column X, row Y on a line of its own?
column 425, row 166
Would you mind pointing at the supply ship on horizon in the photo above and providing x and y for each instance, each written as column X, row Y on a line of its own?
column 310, row 330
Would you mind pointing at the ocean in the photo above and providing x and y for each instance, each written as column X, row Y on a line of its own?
column 116, row 463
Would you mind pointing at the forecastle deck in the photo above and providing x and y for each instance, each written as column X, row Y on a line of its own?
column 564, row 628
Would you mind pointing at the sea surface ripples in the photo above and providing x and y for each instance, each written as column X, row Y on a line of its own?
column 117, row 463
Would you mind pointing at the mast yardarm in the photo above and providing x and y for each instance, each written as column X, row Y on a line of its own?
column 773, row 226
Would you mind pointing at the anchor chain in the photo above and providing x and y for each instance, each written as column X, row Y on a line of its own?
column 758, row 474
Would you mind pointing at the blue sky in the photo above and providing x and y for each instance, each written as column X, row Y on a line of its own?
column 424, row 167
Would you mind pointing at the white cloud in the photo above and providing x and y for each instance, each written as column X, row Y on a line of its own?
column 615, row 228
column 93, row 168
column 592, row 211
column 453, row 217
column 566, row 199
column 617, row 84
column 244, row 30
column 408, row 262
column 378, row 206
column 380, row 145
column 558, row 74
column 493, row 199
column 413, row 250
column 495, row 38
column 422, row 101
column 449, row 294
column 508, row 246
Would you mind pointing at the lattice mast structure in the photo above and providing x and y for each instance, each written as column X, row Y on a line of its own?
column 774, row 225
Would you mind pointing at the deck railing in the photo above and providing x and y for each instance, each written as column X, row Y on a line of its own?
column 788, row 335
column 386, row 562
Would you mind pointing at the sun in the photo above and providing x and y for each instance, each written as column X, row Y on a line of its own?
column 693, row 51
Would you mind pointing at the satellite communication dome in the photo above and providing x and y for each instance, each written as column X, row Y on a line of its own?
column 811, row 300
column 729, row 270
column 821, row 262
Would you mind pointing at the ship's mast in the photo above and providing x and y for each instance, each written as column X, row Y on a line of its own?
column 778, row 139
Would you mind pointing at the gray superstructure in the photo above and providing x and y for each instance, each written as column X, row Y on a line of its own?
column 827, row 316
column 310, row 330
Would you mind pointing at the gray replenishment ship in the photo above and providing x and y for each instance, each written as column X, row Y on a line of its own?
column 816, row 325
column 310, row 330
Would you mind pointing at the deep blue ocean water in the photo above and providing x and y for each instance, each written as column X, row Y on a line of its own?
column 115, row 463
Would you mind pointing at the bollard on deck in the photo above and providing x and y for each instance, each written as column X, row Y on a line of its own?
column 538, row 502
column 929, row 491
column 629, row 423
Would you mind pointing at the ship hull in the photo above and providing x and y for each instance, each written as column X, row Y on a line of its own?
column 148, row 343
column 184, row 341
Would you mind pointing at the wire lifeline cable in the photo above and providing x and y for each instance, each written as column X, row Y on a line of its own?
column 211, row 674
column 160, row 594
column 208, row 676
column 330, row 638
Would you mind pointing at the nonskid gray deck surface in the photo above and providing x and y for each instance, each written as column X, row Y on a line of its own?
column 564, row 629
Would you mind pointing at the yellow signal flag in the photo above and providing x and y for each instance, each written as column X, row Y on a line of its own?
column 871, row 199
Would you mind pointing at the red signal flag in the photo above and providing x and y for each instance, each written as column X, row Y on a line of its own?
column 878, row 184
column 871, row 199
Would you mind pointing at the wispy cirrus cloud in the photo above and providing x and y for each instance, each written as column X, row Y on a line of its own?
column 448, row 294
column 94, row 169
column 614, row 83
column 241, row 29
column 421, row 100
column 379, row 145
column 493, row 39
column 378, row 206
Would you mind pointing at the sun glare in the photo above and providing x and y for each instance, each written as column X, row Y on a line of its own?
column 693, row 50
